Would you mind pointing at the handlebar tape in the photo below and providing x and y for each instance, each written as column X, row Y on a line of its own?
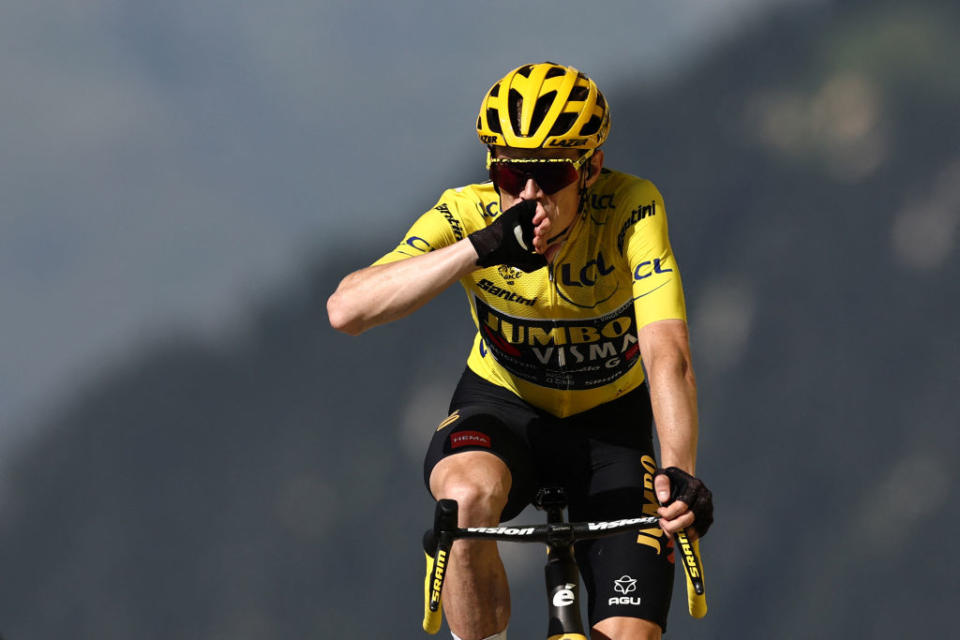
column 436, row 547
column 431, row 618
column 693, row 571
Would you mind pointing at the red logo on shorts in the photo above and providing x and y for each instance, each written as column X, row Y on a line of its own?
column 469, row 439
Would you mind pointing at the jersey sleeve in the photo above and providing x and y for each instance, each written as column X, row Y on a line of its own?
column 439, row 227
column 644, row 242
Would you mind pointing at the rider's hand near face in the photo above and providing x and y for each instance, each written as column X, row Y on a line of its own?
column 556, row 212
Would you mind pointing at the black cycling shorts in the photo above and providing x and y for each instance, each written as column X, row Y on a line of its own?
column 603, row 458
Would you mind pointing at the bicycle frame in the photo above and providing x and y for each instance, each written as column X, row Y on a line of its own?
column 561, row 571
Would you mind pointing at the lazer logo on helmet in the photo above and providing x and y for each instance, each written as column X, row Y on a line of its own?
column 572, row 142
column 487, row 139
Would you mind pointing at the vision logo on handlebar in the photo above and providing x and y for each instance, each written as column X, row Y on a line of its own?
column 507, row 531
column 563, row 580
column 603, row 526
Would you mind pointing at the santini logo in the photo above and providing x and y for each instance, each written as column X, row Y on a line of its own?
column 625, row 584
column 636, row 216
column 509, row 296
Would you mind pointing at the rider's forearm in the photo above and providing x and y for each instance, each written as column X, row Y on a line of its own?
column 381, row 293
column 673, row 392
column 673, row 396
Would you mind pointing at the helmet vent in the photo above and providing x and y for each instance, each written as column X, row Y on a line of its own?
column 579, row 94
column 514, row 104
column 554, row 72
column 591, row 127
column 525, row 70
column 541, row 108
column 493, row 121
column 495, row 91
column 563, row 123
column 601, row 102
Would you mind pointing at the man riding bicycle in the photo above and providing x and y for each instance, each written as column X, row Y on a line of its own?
column 572, row 283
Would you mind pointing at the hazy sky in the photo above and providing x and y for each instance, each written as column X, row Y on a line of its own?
column 162, row 164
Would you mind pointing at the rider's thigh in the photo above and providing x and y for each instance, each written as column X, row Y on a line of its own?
column 621, row 628
column 478, row 480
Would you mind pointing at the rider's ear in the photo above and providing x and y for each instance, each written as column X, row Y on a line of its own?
column 594, row 163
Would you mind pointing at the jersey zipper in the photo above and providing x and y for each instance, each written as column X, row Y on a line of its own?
column 554, row 297
column 553, row 315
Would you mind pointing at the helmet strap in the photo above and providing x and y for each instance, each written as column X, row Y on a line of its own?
column 582, row 207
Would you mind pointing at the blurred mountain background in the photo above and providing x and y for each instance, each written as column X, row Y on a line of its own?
column 265, row 481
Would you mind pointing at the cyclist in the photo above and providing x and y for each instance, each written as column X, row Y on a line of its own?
column 571, row 281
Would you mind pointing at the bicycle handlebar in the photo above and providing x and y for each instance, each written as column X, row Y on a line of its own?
column 564, row 533
column 438, row 541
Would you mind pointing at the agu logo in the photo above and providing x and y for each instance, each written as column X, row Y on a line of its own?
column 624, row 584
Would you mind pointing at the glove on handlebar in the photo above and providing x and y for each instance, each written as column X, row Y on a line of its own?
column 694, row 493
column 509, row 239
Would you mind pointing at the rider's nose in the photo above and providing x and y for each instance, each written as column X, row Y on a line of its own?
column 531, row 190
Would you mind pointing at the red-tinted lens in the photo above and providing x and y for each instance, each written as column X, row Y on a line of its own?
column 550, row 176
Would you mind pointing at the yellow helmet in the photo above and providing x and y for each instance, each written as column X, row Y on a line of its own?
column 544, row 105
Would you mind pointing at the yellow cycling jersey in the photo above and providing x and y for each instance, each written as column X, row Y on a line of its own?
column 564, row 337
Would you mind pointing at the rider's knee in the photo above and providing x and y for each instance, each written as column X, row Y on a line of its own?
column 497, row 636
column 622, row 627
column 478, row 503
column 480, row 487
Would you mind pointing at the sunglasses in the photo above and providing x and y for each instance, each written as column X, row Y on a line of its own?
column 551, row 174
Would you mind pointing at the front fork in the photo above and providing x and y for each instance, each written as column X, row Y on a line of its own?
column 561, row 573
column 563, row 593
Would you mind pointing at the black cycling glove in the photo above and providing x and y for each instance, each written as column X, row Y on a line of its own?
column 509, row 239
column 692, row 491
